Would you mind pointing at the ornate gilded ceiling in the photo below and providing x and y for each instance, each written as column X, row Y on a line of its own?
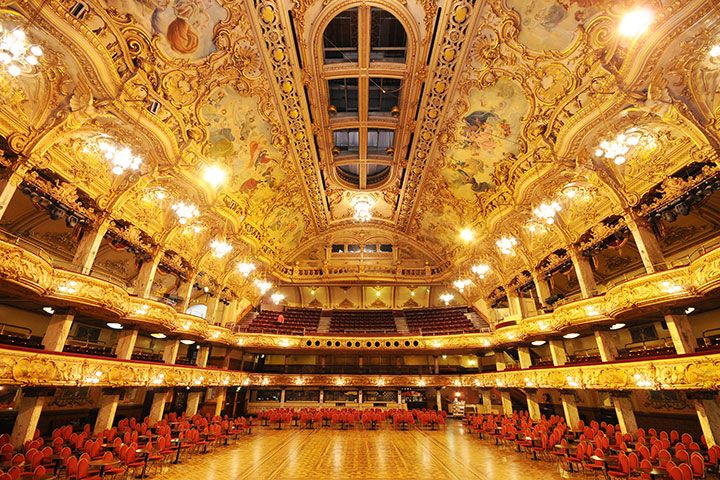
column 501, row 106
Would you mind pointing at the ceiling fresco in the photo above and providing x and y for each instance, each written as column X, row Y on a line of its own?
column 500, row 106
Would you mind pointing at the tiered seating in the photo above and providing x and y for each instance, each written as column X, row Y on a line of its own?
column 88, row 348
column 438, row 321
column 296, row 321
column 370, row 321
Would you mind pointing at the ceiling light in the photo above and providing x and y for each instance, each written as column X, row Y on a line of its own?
column 263, row 285
column 214, row 175
column 689, row 310
column 16, row 53
column 481, row 269
column 546, row 211
column 538, row 343
column 617, row 326
column 186, row 341
column 277, row 297
column 245, row 268
column 220, row 248
column 158, row 335
column 114, row 325
column 121, row 158
column 447, row 298
column 185, row 211
column 506, row 245
column 636, row 22
column 49, row 310
column 571, row 335
column 466, row 234
column 618, row 148
column 362, row 204
column 715, row 51
column 461, row 284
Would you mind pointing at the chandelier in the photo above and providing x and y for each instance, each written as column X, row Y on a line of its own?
column 16, row 54
column 277, row 298
column 362, row 204
column 481, row 269
column 245, row 268
column 546, row 211
column 185, row 211
column 263, row 286
column 121, row 158
column 617, row 149
column 220, row 248
column 447, row 298
column 506, row 245
column 461, row 284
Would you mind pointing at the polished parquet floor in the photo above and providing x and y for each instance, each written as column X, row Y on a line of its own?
column 294, row 454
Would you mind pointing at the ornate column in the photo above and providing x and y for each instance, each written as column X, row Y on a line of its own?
column 624, row 411
column 29, row 410
column 500, row 363
column 506, row 402
column 193, row 401
column 542, row 286
column 557, row 352
column 203, row 355
column 322, row 396
column 360, row 397
column 584, row 272
column 220, row 397
column 57, row 331
column 126, row 344
column 524, row 357
column 436, row 363
column 438, row 399
column 184, row 291
column 88, row 247
column 107, row 407
column 680, row 332
column 282, row 397
column 399, row 397
column 708, row 412
column 515, row 303
column 533, row 404
column 145, row 277
column 9, row 187
column 606, row 342
column 160, row 396
column 212, row 308
column 486, row 400
column 570, row 409
column 170, row 351
column 646, row 241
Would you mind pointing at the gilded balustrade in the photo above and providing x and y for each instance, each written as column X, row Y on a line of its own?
column 29, row 274
column 687, row 372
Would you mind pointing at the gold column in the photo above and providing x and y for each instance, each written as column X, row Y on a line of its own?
column 570, row 409
column 681, row 332
column 193, row 402
column 624, row 411
column 646, row 241
column 606, row 342
column 29, row 410
column 170, row 351
column 157, row 408
column 108, row 406
column 584, row 273
column 203, row 355
column 147, row 275
column 708, row 412
column 126, row 344
column 88, row 247
column 57, row 331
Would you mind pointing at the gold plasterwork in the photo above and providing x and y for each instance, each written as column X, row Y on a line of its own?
column 505, row 101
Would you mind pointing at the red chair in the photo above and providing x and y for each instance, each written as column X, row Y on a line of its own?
column 645, row 469
column 697, row 463
column 624, row 465
column 686, row 471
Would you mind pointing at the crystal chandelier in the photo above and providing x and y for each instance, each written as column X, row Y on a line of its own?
column 617, row 149
column 506, row 245
column 16, row 54
column 362, row 204
column 220, row 248
column 245, row 268
column 263, row 286
column 121, row 158
column 447, row 298
column 185, row 211
column 546, row 211
column 461, row 284
column 481, row 269
column 277, row 298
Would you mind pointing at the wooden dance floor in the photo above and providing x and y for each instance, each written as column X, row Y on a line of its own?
column 293, row 454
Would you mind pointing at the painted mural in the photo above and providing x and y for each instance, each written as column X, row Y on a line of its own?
column 241, row 139
column 484, row 136
column 550, row 24
column 439, row 223
column 186, row 28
